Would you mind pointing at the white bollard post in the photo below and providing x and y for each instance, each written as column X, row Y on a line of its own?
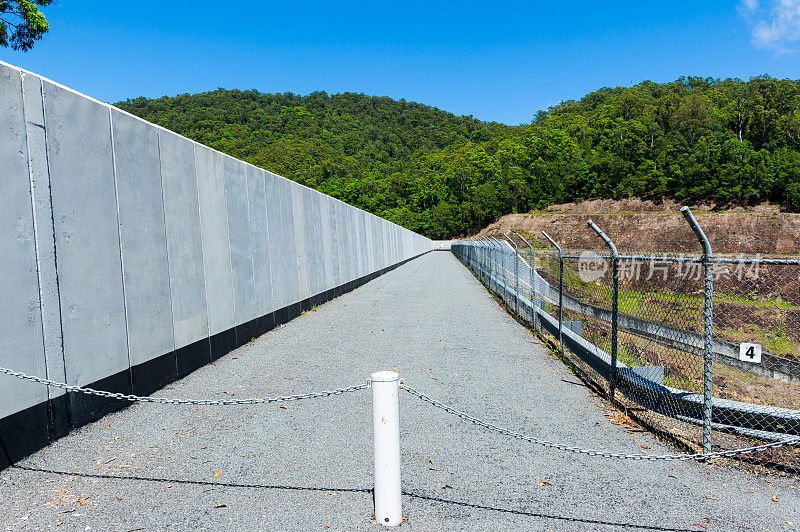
column 386, row 431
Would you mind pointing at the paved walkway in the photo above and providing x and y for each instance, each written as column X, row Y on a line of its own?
column 308, row 466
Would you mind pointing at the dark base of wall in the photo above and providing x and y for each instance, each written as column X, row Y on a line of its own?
column 193, row 356
column 29, row 430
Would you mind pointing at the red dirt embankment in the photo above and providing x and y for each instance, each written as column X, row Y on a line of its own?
column 643, row 225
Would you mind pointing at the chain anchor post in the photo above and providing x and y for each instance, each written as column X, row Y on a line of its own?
column 386, row 434
column 708, row 326
column 612, row 378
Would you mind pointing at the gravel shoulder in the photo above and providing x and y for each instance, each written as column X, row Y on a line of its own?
column 306, row 465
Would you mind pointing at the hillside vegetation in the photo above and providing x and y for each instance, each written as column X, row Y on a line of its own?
column 729, row 142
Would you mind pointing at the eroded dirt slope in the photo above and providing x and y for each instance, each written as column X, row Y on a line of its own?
column 643, row 225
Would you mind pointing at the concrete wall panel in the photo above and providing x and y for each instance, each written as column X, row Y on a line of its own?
column 145, row 267
column 326, row 240
column 360, row 240
column 259, row 238
column 43, row 229
column 330, row 242
column 184, row 242
column 239, row 234
column 346, row 267
column 314, row 249
column 21, row 342
column 392, row 244
column 277, row 242
column 355, row 243
column 86, row 234
column 380, row 225
column 215, row 241
column 386, row 235
column 369, row 241
column 342, row 239
column 290, row 274
column 381, row 243
column 298, row 196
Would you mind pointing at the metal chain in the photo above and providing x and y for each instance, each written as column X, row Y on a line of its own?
column 170, row 401
column 412, row 391
column 594, row 452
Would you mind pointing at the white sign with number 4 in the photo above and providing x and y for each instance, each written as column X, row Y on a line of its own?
column 750, row 353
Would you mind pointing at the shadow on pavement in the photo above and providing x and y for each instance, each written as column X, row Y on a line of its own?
column 352, row 490
column 547, row 516
column 191, row 482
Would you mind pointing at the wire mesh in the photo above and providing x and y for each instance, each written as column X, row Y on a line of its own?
column 658, row 303
column 757, row 343
column 660, row 371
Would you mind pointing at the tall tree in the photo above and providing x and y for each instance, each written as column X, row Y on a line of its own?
column 21, row 23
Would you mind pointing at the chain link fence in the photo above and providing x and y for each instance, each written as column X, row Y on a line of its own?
column 692, row 330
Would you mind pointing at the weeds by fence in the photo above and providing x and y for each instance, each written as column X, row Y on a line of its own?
column 703, row 344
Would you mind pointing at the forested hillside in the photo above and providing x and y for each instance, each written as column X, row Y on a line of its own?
column 728, row 141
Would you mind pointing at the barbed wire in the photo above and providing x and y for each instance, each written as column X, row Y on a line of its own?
column 173, row 401
column 595, row 452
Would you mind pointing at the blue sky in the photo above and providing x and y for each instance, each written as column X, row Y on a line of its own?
column 495, row 61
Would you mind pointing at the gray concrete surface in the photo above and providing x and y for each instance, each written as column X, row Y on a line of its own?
column 44, row 234
column 19, row 288
column 143, row 238
column 184, row 240
column 84, row 200
column 308, row 466
column 260, row 238
column 115, row 232
column 215, row 242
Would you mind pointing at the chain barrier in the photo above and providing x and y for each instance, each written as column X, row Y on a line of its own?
column 594, row 452
column 412, row 391
column 172, row 401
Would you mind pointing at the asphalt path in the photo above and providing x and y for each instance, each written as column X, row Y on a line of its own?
column 307, row 465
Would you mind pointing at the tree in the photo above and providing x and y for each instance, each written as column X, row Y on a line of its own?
column 21, row 23
column 724, row 141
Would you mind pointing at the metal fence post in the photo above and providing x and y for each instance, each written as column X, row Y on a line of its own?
column 516, row 275
column 560, row 290
column 482, row 259
column 612, row 384
column 534, row 316
column 386, row 436
column 489, row 262
column 501, row 253
column 492, row 265
column 495, row 271
column 708, row 326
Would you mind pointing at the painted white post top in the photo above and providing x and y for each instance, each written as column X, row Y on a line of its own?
column 385, row 376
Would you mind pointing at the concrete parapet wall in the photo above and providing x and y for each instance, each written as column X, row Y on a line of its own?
column 130, row 256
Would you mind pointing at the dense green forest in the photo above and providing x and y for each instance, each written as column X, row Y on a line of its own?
column 730, row 141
